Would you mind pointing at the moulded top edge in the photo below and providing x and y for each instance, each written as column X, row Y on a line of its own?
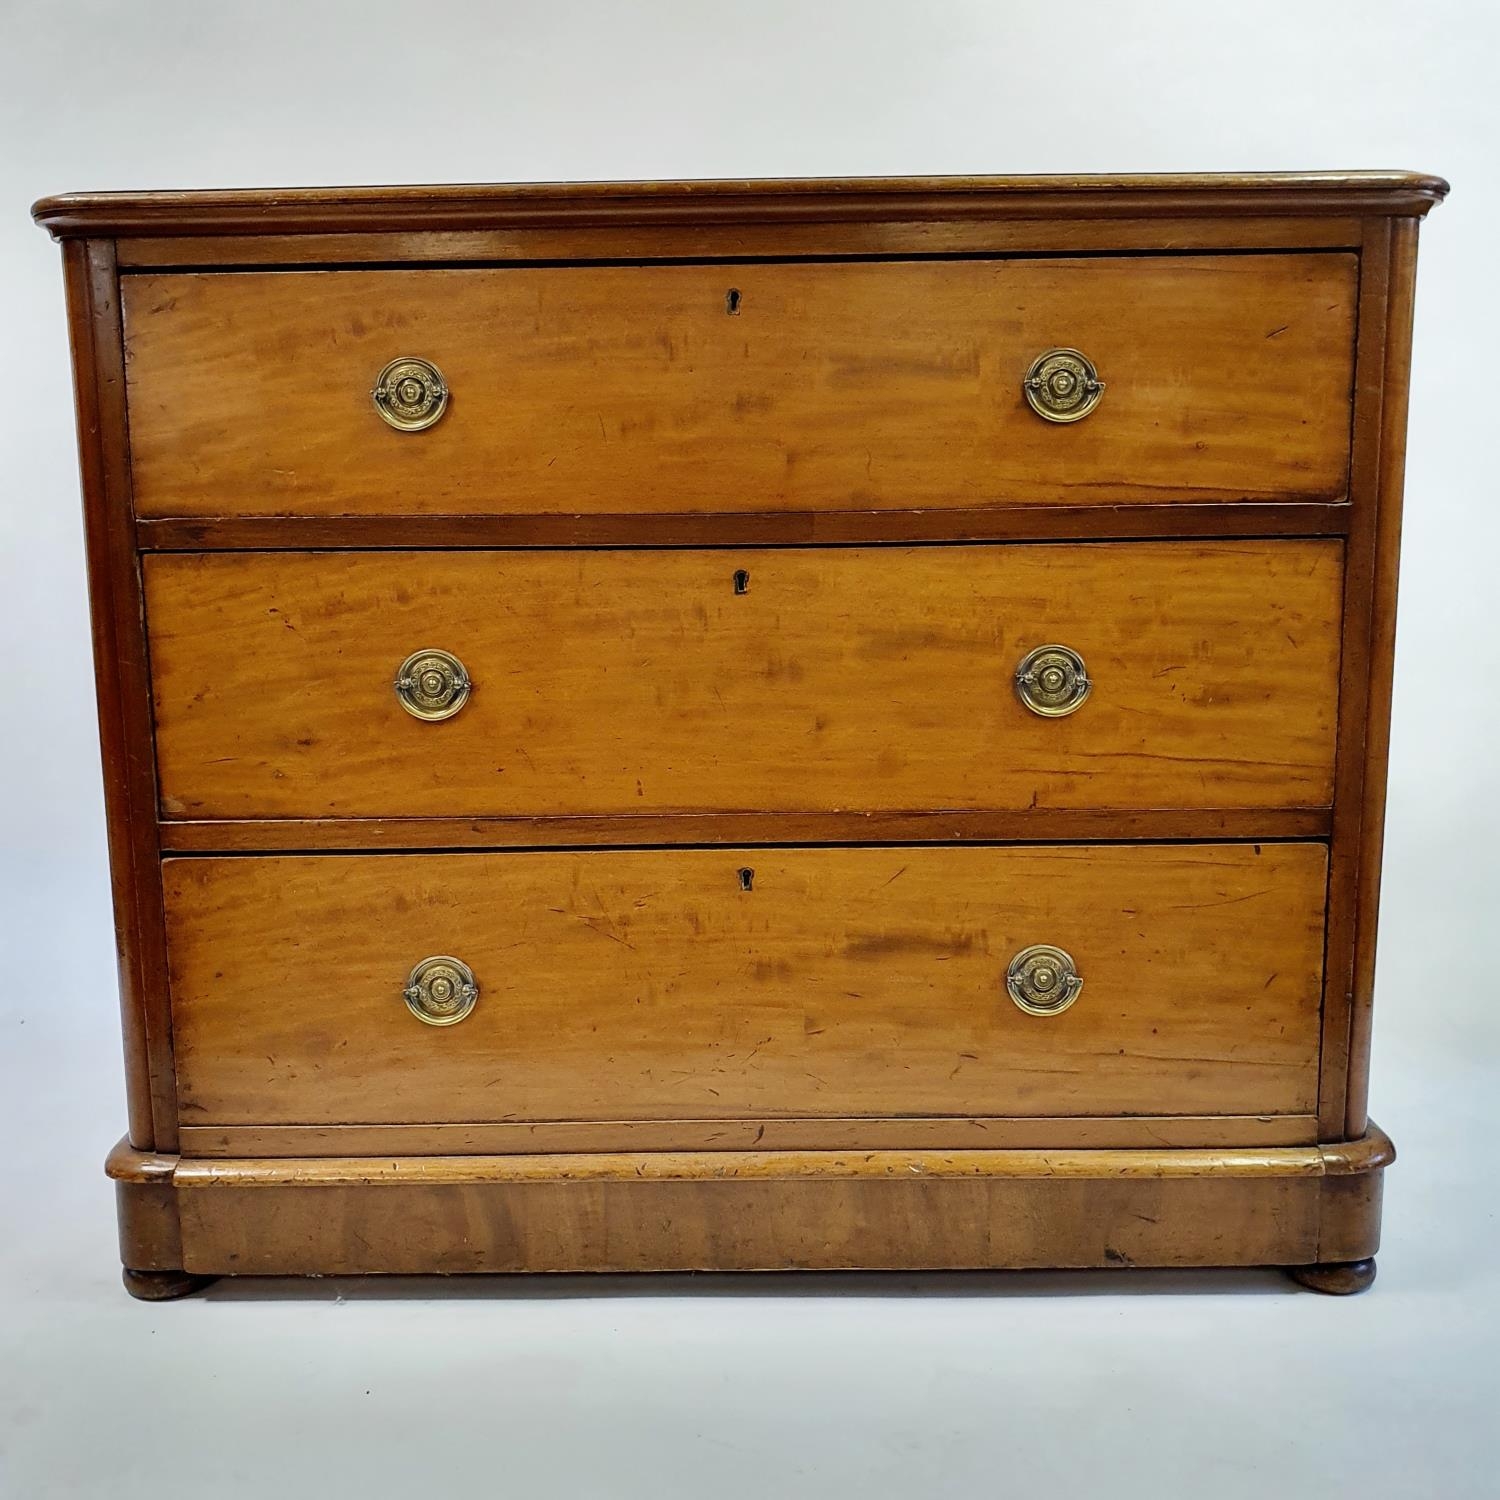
column 479, row 206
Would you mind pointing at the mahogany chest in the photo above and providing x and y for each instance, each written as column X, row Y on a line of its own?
column 746, row 725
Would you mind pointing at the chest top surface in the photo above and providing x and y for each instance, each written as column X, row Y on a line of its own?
column 315, row 209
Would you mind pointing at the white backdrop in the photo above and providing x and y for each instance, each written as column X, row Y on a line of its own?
column 1153, row 1384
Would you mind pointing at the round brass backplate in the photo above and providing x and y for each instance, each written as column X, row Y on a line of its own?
column 1052, row 681
column 1043, row 980
column 410, row 394
column 432, row 684
column 441, row 991
column 1062, row 385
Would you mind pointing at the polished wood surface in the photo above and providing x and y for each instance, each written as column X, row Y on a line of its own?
column 864, row 1132
column 728, row 240
column 1000, row 523
column 776, row 1210
column 1338, row 1279
column 1368, row 632
column 917, row 1223
column 651, row 985
column 1350, row 1159
column 116, row 611
column 685, row 206
column 1340, row 1161
column 1385, row 491
column 1022, row 825
column 637, row 682
column 887, row 385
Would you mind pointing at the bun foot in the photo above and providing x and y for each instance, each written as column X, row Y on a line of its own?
column 1339, row 1279
column 162, row 1286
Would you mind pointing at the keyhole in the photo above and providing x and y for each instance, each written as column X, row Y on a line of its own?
column 747, row 880
column 741, row 581
column 732, row 301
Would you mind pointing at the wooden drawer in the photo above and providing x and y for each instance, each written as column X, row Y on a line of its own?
column 749, row 387
column 645, row 985
column 641, row 682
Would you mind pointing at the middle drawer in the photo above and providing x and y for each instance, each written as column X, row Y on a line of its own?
column 782, row 680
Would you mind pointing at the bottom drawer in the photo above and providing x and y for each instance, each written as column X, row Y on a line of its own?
column 753, row 984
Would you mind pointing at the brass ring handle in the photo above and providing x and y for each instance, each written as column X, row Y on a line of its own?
column 410, row 394
column 1052, row 681
column 1043, row 980
column 441, row 991
column 432, row 684
column 1062, row 385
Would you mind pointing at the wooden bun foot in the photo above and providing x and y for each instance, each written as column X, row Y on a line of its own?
column 162, row 1286
column 1340, row 1279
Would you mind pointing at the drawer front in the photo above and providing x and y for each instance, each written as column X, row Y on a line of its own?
column 652, row 985
column 752, row 387
column 839, row 679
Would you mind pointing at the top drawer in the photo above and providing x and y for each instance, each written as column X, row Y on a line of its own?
column 734, row 388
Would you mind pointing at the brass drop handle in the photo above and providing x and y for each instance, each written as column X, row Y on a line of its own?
column 1053, row 681
column 432, row 684
column 1043, row 980
column 410, row 394
column 1062, row 385
column 441, row 991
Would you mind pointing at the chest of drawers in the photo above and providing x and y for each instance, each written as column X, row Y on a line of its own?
column 745, row 725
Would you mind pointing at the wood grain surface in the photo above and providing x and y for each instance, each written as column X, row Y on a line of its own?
column 753, row 1211
column 759, row 1133
column 728, row 240
column 635, row 682
column 1365, row 831
column 652, row 985
column 1160, row 521
column 941, row 1223
column 1020, row 826
column 123, row 689
column 780, row 1219
column 1371, row 1153
column 665, row 388
column 783, row 202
